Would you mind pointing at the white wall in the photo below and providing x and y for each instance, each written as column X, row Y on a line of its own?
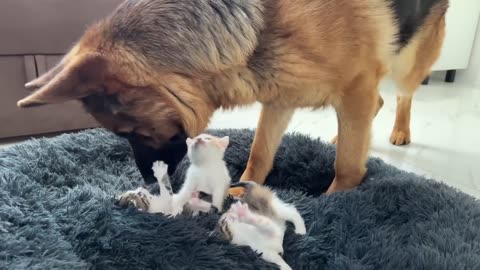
column 471, row 76
column 461, row 25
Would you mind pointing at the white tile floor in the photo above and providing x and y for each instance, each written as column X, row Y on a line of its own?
column 445, row 132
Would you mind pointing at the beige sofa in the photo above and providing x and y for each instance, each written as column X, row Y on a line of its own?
column 34, row 34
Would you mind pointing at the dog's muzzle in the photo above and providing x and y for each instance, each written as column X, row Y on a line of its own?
column 171, row 153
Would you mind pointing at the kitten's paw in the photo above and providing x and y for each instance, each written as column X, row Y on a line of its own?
column 160, row 169
column 195, row 195
column 240, row 211
column 232, row 214
column 140, row 198
column 197, row 204
column 195, row 201
column 301, row 230
column 231, row 217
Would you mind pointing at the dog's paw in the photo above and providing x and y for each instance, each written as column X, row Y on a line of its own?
column 140, row 198
column 160, row 169
column 400, row 137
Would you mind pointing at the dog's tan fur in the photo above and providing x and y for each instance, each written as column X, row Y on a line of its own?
column 309, row 54
column 410, row 68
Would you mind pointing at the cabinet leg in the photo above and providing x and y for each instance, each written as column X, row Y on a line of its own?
column 425, row 82
column 450, row 77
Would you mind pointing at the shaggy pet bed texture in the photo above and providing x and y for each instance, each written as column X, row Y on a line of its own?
column 56, row 212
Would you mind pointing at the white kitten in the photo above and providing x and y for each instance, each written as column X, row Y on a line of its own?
column 207, row 174
column 258, row 220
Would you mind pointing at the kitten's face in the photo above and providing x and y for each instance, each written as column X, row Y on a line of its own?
column 204, row 148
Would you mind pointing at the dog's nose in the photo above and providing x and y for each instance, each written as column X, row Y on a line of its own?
column 171, row 153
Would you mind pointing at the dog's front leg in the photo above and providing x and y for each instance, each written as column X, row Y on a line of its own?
column 355, row 114
column 272, row 124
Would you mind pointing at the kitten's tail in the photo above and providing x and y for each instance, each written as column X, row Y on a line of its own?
column 276, row 259
column 290, row 213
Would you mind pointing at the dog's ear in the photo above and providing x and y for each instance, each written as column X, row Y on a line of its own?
column 45, row 78
column 82, row 76
column 48, row 76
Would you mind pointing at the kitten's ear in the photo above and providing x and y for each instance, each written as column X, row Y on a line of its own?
column 189, row 141
column 224, row 142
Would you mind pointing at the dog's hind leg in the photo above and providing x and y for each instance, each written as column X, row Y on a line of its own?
column 411, row 67
column 271, row 126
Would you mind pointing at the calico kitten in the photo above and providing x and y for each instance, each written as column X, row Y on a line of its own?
column 205, row 186
column 258, row 220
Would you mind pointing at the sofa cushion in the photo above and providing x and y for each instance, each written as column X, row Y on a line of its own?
column 47, row 26
column 44, row 119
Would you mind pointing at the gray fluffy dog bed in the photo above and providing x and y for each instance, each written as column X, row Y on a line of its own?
column 56, row 212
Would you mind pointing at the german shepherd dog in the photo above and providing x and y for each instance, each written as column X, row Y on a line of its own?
column 154, row 71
